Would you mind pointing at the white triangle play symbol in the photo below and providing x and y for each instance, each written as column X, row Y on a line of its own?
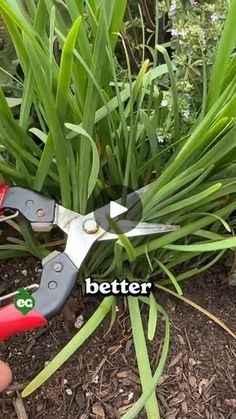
column 116, row 209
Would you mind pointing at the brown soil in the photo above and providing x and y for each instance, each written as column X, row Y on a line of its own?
column 101, row 379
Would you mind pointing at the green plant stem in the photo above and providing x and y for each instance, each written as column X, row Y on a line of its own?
column 71, row 347
column 142, row 357
column 133, row 412
column 227, row 43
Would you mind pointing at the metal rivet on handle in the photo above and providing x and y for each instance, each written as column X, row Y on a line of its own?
column 40, row 213
column 58, row 267
column 52, row 285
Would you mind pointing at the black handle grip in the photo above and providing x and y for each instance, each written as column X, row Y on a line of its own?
column 58, row 280
column 35, row 207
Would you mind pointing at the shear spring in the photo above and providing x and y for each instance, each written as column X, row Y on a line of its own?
column 5, row 218
column 12, row 294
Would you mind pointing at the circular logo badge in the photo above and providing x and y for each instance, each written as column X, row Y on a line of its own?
column 119, row 209
column 24, row 302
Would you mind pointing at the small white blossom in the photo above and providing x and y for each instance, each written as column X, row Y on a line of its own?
column 174, row 32
column 186, row 114
column 214, row 17
column 173, row 7
column 178, row 32
column 160, row 139
column 164, row 103
column 183, row 33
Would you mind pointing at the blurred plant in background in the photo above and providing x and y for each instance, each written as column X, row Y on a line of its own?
column 7, row 55
column 195, row 27
column 190, row 30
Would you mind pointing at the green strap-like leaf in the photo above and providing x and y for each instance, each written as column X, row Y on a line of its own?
column 96, row 161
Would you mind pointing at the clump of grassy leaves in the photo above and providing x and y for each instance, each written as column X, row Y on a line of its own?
column 99, row 129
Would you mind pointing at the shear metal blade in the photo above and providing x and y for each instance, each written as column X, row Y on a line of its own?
column 141, row 229
column 64, row 217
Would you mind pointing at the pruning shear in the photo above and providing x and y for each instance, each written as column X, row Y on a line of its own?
column 60, row 269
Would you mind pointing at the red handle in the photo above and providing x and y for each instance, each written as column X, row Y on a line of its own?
column 3, row 190
column 12, row 321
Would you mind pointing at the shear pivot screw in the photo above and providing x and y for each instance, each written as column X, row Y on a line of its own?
column 90, row 226
column 58, row 267
column 40, row 213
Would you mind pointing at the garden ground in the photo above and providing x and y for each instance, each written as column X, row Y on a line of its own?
column 101, row 379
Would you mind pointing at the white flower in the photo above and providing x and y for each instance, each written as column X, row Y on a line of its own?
column 164, row 103
column 178, row 32
column 160, row 139
column 214, row 17
column 173, row 6
column 183, row 33
column 174, row 32
column 186, row 114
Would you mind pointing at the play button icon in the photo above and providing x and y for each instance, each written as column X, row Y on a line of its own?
column 119, row 204
column 116, row 209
